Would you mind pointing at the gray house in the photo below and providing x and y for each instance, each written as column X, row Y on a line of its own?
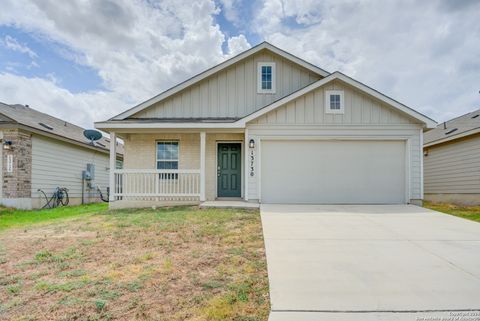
column 42, row 152
column 266, row 126
column 452, row 161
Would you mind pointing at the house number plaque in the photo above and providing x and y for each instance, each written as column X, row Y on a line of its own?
column 252, row 162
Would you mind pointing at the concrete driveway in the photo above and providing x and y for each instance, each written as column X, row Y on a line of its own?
column 370, row 262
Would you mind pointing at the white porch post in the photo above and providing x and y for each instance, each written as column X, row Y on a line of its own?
column 113, row 162
column 202, row 165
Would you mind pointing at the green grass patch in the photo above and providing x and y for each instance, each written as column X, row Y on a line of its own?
column 46, row 256
column 100, row 305
column 468, row 212
column 47, row 287
column 69, row 300
column 73, row 273
column 14, row 289
column 17, row 218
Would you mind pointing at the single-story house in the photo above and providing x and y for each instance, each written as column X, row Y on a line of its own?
column 42, row 152
column 266, row 126
column 452, row 161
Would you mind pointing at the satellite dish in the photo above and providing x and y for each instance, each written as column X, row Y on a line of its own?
column 92, row 135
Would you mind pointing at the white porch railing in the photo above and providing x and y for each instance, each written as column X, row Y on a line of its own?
column 161, row 185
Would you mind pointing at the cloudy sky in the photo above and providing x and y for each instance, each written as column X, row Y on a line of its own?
column 88, row 60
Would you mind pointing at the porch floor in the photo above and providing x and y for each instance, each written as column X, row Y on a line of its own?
column 229, row 204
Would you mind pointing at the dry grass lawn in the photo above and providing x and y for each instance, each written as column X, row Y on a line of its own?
column 164, row 264
column 468, row 212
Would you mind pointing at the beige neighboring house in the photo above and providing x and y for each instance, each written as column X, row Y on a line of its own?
column 268, row 127
column 452, row 161
column 43, row 152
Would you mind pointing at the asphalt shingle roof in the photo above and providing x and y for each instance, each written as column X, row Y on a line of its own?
column 454, row 128
column 32, row 118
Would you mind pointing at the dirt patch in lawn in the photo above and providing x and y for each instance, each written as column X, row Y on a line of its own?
column 167, row 264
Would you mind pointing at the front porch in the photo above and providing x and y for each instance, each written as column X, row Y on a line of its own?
column 193, row 175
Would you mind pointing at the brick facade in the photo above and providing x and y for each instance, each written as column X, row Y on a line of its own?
column 18, row 182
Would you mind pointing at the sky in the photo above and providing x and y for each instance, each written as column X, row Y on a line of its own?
column 88, row 60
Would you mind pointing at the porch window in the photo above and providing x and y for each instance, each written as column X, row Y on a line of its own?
column 167, row 157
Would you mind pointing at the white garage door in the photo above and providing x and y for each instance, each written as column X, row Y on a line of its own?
column 333, row 172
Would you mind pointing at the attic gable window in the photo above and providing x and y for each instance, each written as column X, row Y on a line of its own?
column 266, row 78
column 334, row 102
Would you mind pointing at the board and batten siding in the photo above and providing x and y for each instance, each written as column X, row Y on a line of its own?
column 360, row 109
column 364, row 116
column 60, row 164
column 453, row 167
column 232, row 92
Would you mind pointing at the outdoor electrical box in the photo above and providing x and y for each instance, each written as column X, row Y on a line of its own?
column 89, row 173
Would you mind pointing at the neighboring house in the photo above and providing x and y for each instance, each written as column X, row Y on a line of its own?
column 266, row 126
column 452, row 161
column 43, row 152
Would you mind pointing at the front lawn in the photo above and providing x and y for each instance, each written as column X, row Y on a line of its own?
column 181, row 263
column 10, row 217
column 468, row 212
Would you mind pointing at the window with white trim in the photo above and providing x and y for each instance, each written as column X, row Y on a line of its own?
column 167, row 155
column 266, row 78
column 334, row 102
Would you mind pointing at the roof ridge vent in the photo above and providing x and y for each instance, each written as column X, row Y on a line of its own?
column 476, row 116
column 451, row 131
column 46, row 126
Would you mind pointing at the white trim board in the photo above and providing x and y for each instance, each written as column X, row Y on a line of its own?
column 215, row 69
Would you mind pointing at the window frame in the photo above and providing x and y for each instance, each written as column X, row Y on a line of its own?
column 260, row 90
column 328, row 109
column 157, row 160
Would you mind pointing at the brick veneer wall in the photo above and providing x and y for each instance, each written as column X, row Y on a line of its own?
column 17, row 184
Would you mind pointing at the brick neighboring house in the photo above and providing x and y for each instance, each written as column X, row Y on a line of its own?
column 40, row 151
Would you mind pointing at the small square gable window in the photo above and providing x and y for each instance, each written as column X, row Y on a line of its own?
column 334, row 102
column 266, row 78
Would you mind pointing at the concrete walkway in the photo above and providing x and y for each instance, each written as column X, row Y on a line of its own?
column 383, row 262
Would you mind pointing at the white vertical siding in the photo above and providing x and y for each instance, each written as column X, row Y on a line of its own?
column 60, row 164
column 360, row 109
column 232, row 92
column 364, row 116
column 454, row 167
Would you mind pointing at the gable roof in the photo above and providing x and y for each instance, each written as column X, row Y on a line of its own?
column 455, row 128
column 51, row 126
column 429, row 123
column 241, row 123
column 175, row 89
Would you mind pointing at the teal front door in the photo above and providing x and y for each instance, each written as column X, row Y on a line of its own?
column 229, row 171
